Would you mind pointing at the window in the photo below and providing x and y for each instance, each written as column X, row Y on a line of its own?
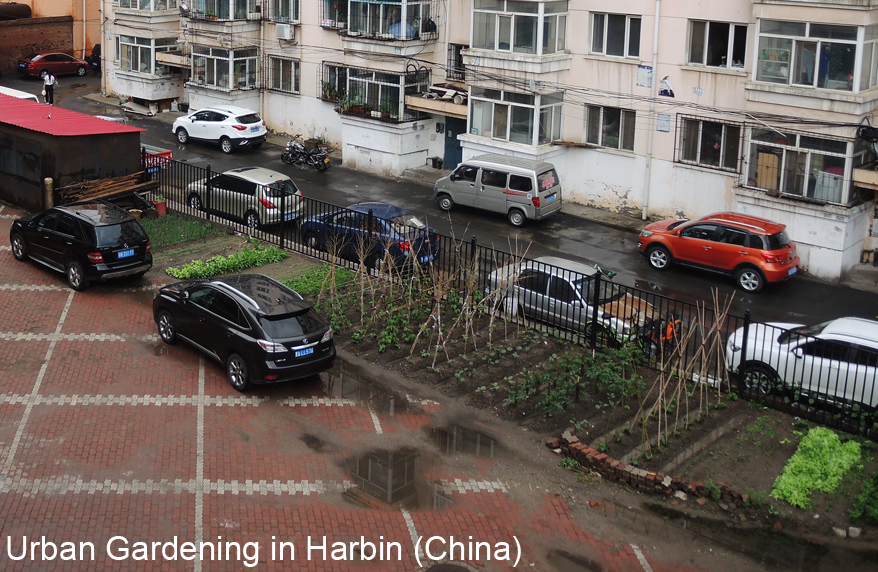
column 699, row 231
column 283, row 75
column 454, row 68
column 709, row 143
column 148, row 5
column 562, row 291
column 284, row 10
column 733, row 236
column 520, row 183
column 615, row 35
column 610, row 127
column 372, row 93
column 814, row 55
column 717, row 44
column 534, row 281
column 224, row 69
column 521, row 118
column 799, row 164
column 334, row 14
column 537, row 28
column 138, row 54
column 465, row 173
column 494, row 178
column 391, row 19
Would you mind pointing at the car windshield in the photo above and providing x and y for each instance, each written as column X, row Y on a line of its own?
column 609, row 291
column 281, row 188
column 33, row 57
column 674, row 225
column 292, row 326
column 407, row 221
column 801, row 332
column 114, row 234
column 779, row 240
column 249, row 118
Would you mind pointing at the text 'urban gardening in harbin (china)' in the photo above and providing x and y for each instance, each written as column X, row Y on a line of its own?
column 120, row 548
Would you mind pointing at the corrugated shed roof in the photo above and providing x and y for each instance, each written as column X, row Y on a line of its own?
column 55, row 120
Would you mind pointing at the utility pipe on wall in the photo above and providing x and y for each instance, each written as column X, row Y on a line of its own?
column 652, row 118
column 83, row 30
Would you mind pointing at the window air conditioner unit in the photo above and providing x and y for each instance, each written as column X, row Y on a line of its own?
column 285, row 32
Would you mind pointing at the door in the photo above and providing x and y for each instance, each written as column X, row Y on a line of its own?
column 200, row 127
column 65, row 64
column 532, row 295
column 41, row 242
column 242, row 199
column 68, row 238
column 218, row 198
column 462, row 185
column 823, row 367
column 453, row 148
column 217, row 126
column 565, row 307
column 695, row 244
column 491, row 190
column 865, row 387
column 201, row 325
column 337, row 235
column 731, row 248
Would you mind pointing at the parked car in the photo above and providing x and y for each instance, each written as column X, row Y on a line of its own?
column 519, row 188
column 89, row 241
column 754, row 250
column 260, row 330
column 375, row 230
column 94, row 60
column 256, row 196
column 837, row 359
column 230, row 126
column 562, row 292
column 39, row 63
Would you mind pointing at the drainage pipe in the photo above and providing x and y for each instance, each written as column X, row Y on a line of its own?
column 652, row 119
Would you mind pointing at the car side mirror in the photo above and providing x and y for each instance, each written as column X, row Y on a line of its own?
column 185, row 294
column 799, row 353
column 453, row 177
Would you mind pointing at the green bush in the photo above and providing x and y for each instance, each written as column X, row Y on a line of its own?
column 866, row 503
column 254, row 255
column 819, row 464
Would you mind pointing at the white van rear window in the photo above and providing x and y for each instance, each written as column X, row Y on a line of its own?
column 548, row 180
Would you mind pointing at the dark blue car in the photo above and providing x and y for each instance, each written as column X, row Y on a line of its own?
column 373, row 231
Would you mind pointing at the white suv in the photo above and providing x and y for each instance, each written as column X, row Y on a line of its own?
column 835, row 360
column 229, row 125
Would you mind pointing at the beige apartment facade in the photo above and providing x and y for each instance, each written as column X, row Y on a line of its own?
column 747, row 105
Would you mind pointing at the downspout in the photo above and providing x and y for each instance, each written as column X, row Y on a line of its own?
column 103, row 46
column 83, row 29
column 262, row 59
column 652, row 119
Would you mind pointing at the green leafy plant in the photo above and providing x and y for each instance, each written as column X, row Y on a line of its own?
column 313, row 280
column 174, row 229
column 713, row 490
column 756, row 498
column 819, row 463
column 253, row 255
column 569, row 463
column 866, row 503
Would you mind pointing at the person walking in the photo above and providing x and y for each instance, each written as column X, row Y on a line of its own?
column 49, row 89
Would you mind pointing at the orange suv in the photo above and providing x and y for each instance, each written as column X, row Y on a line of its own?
column 753, row 250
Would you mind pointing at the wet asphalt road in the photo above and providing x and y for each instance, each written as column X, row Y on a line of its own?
column 798, row 300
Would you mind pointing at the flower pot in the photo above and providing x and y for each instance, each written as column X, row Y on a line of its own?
column 136, row 213
column 161, row 207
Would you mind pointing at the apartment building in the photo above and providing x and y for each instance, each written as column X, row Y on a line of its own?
column 648, row 107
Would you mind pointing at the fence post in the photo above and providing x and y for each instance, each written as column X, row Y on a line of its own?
column 473, row 246
column 744, row 341
column 143, row 158
column 209, row 190
column 594, row 309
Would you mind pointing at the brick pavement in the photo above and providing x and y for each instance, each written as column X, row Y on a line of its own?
column 107, row 432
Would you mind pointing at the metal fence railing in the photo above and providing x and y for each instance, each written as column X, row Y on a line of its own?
column 830, row 383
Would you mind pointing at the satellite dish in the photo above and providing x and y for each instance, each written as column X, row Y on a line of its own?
column 184, row 10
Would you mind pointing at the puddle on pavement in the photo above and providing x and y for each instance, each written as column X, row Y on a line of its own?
column 457, row 439
column 566, row 562
column 340, row 382
column 394, row 479
column 647, row 285
column 779, row 549
column 312, row 442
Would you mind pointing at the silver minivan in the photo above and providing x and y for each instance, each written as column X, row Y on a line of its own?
column 521, row 188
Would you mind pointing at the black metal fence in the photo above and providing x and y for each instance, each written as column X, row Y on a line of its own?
column 828, row 382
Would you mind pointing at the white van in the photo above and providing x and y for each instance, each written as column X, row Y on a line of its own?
column 521, row 188
column 19, row 94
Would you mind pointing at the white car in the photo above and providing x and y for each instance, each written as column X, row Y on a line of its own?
column 834, row 360
column 231, row 126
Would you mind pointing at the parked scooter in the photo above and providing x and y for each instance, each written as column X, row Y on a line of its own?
column 296, row 154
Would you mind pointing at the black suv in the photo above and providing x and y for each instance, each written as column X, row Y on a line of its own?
column 262, row 331
column 89, row 241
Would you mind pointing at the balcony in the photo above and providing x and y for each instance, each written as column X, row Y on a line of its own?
column 516, row 62
column 863, row 4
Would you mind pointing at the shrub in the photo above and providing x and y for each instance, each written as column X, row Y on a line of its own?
column 255, row 255
column 866, row 503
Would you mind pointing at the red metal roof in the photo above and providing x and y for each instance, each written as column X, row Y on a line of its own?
column 55, row 120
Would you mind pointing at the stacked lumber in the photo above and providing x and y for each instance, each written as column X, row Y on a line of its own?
column 123, row 191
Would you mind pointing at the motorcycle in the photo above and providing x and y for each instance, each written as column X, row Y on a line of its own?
column 296, row 154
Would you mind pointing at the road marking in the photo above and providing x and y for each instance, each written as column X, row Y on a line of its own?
column 55, row 337
column 641, row 558
column 36, row 389
column 159, row 400
column 74, row 484
column 376, row 422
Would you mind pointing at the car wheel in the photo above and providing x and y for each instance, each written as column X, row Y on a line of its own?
column 182, row 136
column 43, row 74
column 251, row 219
column 750, row 279
column 236, row 369
column 80, row 71
column 375, row 262
column 659, row 257
column 195, row 202
column 759, row 378
column 76, row 276
column 445, row 202
column 226, row 145
column 311, row 240
column 516, row 217
column 167, row 327
column 19, row 248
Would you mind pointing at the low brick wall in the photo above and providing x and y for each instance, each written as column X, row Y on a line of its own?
column 23, row 37
column 646, row 481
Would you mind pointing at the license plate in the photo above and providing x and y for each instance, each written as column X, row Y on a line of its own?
column 254, row 129
column 425, row 258
column 125, row 253
column 792, row 271
column 307, row 352
column 21, row 65
column 550, row 198
column 326, row 160
column 290, row 216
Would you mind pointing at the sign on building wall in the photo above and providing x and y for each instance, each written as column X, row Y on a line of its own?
column 663, row 123
column 644, row 76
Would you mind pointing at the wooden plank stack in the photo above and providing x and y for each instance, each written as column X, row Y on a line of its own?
column 122, row 191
